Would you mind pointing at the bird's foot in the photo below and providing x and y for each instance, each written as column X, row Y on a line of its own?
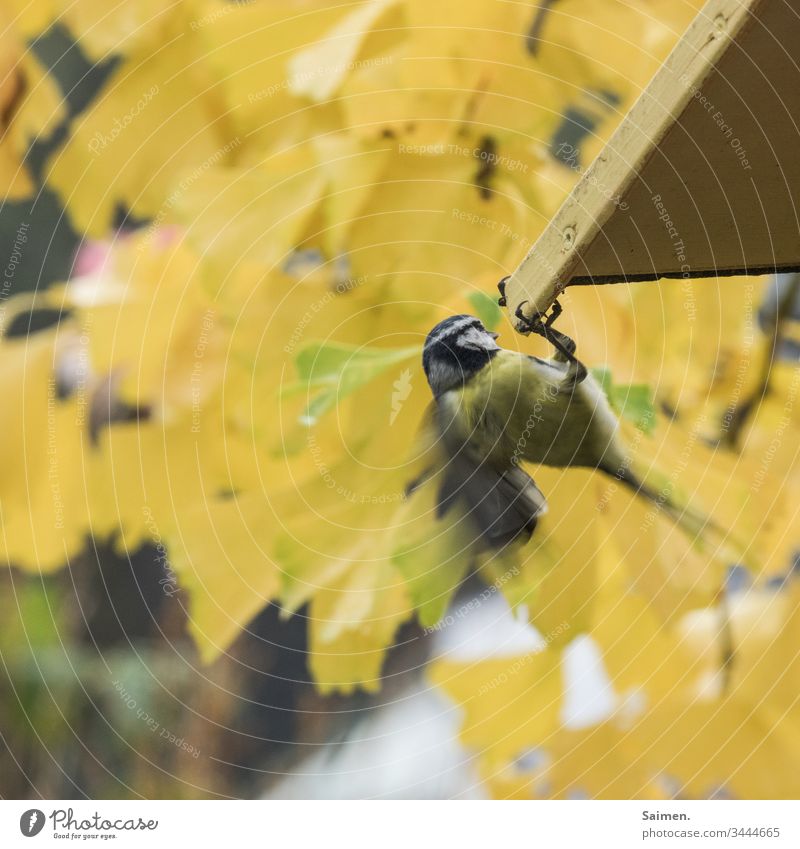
column 538, row 323
column 542, row 325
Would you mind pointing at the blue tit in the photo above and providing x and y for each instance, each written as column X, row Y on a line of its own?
column 494, row 409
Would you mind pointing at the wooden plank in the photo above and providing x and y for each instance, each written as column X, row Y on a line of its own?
column 703, row 175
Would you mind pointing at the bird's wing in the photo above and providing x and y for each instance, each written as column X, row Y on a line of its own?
column 497, row 505
column 500, row 506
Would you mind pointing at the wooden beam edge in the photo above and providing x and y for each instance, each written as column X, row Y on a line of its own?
column 548, row 266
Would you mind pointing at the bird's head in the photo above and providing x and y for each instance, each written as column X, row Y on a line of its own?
column 455, row 350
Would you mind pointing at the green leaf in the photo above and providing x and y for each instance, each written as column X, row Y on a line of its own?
column 632, row 401
column 486, row 308
column 602, row 375
column 329, row 372
column 433, row 568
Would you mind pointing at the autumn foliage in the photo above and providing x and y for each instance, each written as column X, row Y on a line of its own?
column 278, row 201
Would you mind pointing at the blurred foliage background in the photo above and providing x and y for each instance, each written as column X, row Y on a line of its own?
column 226, row 231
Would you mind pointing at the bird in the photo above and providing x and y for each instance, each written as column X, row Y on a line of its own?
column 494, row 409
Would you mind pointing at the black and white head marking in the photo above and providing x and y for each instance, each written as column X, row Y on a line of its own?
column 456, row 349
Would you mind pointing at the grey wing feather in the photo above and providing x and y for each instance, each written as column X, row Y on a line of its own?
column 501, row 504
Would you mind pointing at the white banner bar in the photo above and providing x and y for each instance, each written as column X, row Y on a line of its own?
column 398, row 825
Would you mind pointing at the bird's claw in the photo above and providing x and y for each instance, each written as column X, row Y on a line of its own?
column 539, row 323
column 556, row 311
column 535, row 324
column 542, row 325
column 501, row 287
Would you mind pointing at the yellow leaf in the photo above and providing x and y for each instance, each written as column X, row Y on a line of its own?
column 221, row 552
column 264, row 210
column 153, row 125
column 352, row 623
column 317, row 71
column 509, row 703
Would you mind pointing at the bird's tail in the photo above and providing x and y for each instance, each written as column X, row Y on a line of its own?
column 702, row 529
